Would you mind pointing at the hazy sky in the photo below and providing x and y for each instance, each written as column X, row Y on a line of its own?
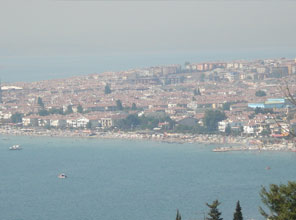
column 43, row 39
column 48, row 27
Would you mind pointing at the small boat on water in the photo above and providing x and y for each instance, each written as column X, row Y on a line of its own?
column 15, row 147
column 62, row 176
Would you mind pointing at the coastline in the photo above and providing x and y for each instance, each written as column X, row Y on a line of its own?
column 228, row 143
column 136, row 135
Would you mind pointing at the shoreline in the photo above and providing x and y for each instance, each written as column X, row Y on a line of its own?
column 236, row 143
column 136, row 135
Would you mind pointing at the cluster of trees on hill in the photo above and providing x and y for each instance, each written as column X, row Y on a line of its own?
column 133, row 121
column 260, row 93
column 52, row 111
column 210, row 121
column 279, row 199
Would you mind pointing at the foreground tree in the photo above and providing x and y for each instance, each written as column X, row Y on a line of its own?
column 238, row 212
column 178, row 216
column 214, row 213
column 280, row 200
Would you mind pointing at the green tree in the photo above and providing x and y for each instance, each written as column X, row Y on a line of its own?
column 266, row 132
column 79, row 108
column 211, row 119
column 226, row 106
column 56, row 111
column 178, row 216
column 69, row 109
column 238, row 212
column 196, row 92
column 280, row 200
column 130, row 122
column 40, row 102
column 88, row 125
column 202, row 77
column 263, row 111
column 43, row 112
column 214, row 213
column 16, row 117
column 134, row 107
column 228, row 129
column 260, row 93
column 107, row 89
column 119, row 105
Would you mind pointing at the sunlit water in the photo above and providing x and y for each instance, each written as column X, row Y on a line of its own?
column 131, row 180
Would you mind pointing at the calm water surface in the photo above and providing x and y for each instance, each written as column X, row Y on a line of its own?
column 36, row 68
column 130, row 180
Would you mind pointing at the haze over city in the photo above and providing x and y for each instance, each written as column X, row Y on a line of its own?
column 53, row 39
column 147, row 110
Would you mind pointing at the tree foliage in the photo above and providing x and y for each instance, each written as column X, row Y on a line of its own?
column 43, row 112
column 226, row 106
column 133, row 121
column 119, row 105
column 134, row 107
column 211, row 119
column 280, row 200
column 16, row 117
column 130, row 122
column 79, row 109
column 260, row 93
column 56, row 111
column 196, row 92
column 214, row 213
column 89, row 125
column 228, row 129
column 69, row 109
column 107, row 89
column 263, row 111
column 238, row 212
column 178, row 216
column 40, row 102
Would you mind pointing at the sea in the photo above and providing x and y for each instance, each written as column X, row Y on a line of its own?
column 28, row 68
column 132, row 179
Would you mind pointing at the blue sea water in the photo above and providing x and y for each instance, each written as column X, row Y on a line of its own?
column 35, row 68
column 131, row 180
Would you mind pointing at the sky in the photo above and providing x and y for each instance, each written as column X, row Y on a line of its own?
column 61, row 30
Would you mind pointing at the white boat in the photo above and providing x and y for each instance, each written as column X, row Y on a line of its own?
column 15, row 147
column 62, row 176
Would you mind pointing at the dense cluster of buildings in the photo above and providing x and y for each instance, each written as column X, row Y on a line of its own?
column 184, row 93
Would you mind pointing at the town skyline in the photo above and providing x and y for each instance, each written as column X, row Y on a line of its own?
column 245, row 96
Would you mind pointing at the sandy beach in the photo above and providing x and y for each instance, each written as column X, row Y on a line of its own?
column 228, row 143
